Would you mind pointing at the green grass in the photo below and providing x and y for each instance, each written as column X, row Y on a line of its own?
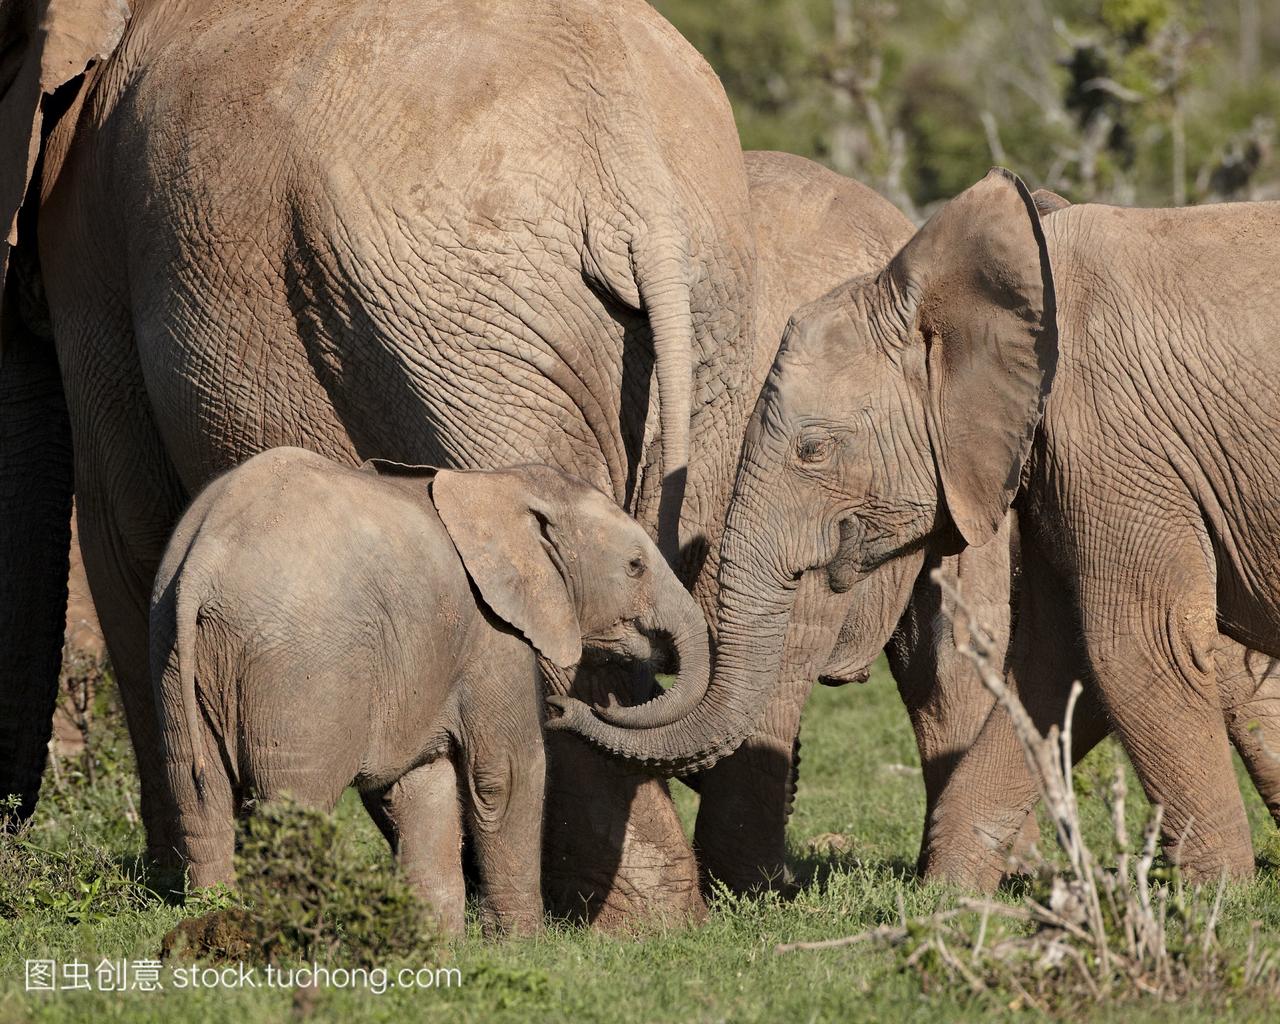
column 860, row 780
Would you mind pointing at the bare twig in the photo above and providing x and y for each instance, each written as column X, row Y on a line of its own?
column 1093, row 931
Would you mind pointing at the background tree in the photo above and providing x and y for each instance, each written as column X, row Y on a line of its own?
column 1152, row 102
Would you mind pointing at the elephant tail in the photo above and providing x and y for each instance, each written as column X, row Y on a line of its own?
column 663, row 282
column 186, row 620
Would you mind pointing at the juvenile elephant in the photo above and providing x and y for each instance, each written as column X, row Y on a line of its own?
column 315, row 626
column 910, row 408
column 438, row 231
column 814, row 229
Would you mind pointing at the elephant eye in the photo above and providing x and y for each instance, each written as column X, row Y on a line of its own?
column 814, row 448
column 636, row 567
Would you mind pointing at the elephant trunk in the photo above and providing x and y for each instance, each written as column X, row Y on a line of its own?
column 664, row 290
column 755, row 609
column 678, row 616
column 35, row 543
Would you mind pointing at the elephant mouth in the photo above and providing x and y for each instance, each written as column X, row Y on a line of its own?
column 662, row 655
column 653, row 647
column 842, row 678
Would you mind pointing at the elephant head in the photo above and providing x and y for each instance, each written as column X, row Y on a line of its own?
column 897, row 417
column 556, row 559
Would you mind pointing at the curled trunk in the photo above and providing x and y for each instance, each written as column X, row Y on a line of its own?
column 678, row 616
column 755, row 609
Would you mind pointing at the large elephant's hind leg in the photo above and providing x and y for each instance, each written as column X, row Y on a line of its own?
column 121, row 564
column 746, row 799
column 1250, row 686
column 615, row 854
column 128, row 500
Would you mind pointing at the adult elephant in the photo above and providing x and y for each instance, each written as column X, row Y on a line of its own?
column 909, row 409
column 458, row 233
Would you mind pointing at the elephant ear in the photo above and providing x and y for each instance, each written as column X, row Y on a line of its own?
column 977, row 280
column 1047, row 202
column 500, row 528
column 44, row 44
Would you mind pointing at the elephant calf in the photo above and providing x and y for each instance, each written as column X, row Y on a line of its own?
column 316, row 626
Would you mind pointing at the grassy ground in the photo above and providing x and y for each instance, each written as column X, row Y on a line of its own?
column 853, row 839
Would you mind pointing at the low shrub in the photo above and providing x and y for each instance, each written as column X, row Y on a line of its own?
column 305, row 897
column 80, row 881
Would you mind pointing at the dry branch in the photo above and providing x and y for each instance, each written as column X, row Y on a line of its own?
column 1087, row 929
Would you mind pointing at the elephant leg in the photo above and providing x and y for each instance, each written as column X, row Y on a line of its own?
column 421, row 816
column 204, row 830
column 35, row 517
column 1151, row 638
column 944, row 697
column 1249, row 683
column 502, row 775
column 986, row 801
column 120, row 578
column 128, row 500
column 746, row 799
column 615, row 852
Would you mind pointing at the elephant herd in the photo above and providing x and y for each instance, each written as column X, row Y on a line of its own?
column 482, row 235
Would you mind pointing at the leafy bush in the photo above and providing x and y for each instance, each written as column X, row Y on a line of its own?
column 303, row 896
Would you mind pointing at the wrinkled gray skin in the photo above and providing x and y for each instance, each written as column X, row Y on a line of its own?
column 315, row 626
column 814, row 229
column 519, row 236
column 1149, row 532
column 907, row 410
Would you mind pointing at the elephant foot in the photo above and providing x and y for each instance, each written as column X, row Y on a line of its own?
column 614, row 854
column 978, row 861
column 755, row 864
column 510, row 924
column 1206, row 857
column 1027, row 849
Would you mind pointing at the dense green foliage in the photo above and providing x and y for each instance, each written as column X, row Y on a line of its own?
column 305, row 896
column 853, row 841
column 1153, row 102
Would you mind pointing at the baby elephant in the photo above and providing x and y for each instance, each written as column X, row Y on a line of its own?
column 315, row 626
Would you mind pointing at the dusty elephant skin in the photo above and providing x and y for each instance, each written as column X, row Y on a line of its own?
column 815, row 229
column 906, row 412
column 519, row 235
column 315, row 626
